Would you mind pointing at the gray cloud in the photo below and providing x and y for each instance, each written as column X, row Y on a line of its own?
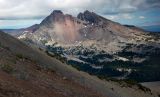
column 36, row 9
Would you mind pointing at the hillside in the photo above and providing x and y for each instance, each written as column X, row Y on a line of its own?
column 26, row 71
column 29, row 73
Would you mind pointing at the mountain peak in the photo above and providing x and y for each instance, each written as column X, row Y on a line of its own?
column 87, row 12
column 88, row 16
column 57, row 12
column 56, row 15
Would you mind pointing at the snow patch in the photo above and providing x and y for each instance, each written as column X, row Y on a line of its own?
column 96, row 67
column 23, row 36
column 123, row 59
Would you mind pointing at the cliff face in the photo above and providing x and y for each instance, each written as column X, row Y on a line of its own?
column 59, row 27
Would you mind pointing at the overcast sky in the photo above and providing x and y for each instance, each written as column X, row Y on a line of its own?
column 24, row 13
